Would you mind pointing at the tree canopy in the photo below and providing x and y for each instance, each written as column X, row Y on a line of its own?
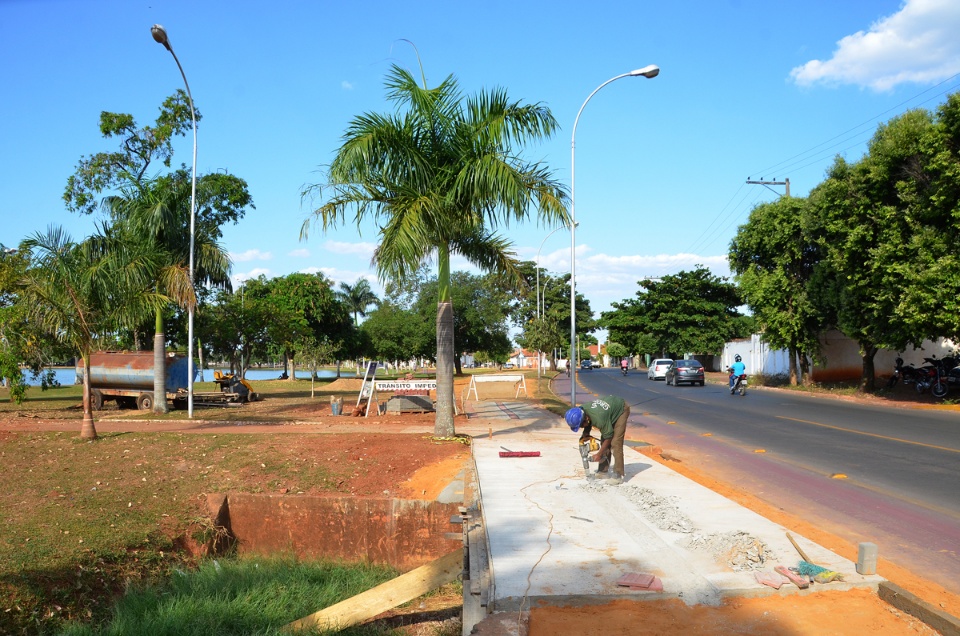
column 688, row 312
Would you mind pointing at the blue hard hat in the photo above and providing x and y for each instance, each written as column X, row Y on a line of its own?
column 574, row 418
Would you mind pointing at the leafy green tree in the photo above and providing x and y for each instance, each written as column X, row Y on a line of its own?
column 77, row 292
column 689, row 312
column 437, row 179
column 138, row 149
column 306, row 307
column 236, row 327
column 358, row 298
column 480, row 323
column 617, row 350
column 395, row 333
column 157, row 209
column 156, row 214
column 887, row 226
column 774, row 261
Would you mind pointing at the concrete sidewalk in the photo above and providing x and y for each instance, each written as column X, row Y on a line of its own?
column 556, row 538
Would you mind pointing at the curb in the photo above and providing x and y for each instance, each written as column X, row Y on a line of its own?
column 913, row 605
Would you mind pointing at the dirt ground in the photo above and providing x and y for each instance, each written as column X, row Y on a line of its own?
column 411, row 464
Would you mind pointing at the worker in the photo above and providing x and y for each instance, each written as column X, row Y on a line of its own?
column 609, row 414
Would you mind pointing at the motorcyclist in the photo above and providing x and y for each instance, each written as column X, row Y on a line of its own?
column 623, row 365
column 737, row 369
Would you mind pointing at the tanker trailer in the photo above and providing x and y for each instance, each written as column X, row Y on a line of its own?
column 127, row 377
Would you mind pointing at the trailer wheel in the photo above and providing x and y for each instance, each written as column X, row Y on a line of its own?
column 145, row 401
column 96, row 399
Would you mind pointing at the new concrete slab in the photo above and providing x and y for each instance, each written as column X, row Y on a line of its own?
column 556, row 537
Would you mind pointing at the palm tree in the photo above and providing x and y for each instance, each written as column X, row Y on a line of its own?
column 156, row 214
column 436, row 179
column 358, row 298
column 76, row 292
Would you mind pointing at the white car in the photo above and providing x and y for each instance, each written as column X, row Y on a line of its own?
column 658, row 368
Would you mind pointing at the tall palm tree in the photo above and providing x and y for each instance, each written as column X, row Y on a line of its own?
column 437, row 179
column 76, row 292
column 358, row 297
column 156, row 214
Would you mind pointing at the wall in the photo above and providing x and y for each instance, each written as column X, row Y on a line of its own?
column 403, row 533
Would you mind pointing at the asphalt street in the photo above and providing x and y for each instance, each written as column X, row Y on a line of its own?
column 865, row 473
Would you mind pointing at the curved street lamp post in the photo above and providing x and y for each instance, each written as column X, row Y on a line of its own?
column 650, row 71
column 160, row 35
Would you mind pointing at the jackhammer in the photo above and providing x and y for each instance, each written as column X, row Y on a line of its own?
column 588, row 445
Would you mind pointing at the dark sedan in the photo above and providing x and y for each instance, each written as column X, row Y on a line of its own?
column 690, row 371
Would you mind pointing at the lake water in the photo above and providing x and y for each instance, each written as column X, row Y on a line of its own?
column 69, row 376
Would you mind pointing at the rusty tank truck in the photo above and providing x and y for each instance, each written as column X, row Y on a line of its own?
column 127, row 378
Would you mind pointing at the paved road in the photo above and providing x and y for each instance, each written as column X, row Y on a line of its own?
column 865, row 473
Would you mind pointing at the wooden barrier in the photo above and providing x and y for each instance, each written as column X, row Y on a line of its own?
column 518, row 378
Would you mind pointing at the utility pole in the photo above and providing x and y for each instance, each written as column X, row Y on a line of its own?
column 767, row 184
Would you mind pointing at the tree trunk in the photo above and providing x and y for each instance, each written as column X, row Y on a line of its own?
column 446, row 352
column 87, row 429
column 805, row 377
column 793, row 365
column 443, row 425
column 868, row 377
column 159, row 369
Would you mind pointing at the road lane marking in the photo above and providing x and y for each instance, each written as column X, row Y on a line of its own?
column 886, row 437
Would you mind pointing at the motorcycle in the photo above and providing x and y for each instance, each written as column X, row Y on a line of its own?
column 740, row 385
column 933, row 376
column 623, row 370
column 906, row 374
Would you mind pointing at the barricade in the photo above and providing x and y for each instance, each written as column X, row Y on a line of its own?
column 519, row 379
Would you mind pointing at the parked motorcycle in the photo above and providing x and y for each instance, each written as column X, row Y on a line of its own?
column 740, row 386
column 933, row 376
column 906, row 374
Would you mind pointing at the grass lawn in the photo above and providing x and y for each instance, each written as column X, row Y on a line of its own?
column 84, row 522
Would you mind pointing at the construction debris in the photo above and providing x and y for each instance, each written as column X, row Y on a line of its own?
column 740, row 551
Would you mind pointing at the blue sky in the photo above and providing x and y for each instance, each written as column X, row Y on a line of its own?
column 748, row 89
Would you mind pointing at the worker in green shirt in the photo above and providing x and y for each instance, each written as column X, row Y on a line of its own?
column 609, row 414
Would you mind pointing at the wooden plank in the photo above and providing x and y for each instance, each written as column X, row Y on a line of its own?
column 366, row 605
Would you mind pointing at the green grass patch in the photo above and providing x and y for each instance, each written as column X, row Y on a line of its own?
column 237, row 596
column 82, row 520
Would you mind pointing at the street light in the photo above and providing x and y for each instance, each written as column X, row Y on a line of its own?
column 160, row 35
column 650, row 71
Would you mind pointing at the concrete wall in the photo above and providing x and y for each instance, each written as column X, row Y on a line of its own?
column 842, row 360
column 403, row 533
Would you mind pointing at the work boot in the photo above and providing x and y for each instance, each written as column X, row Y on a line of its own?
column 613, row 480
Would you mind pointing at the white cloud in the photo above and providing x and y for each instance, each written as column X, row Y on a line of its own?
column 299, row 253
column 345, row 85
column 253, row 273
column 354, row 249
column 250, row 255
column 917, row 44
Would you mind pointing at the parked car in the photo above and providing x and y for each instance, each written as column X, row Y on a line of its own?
column 508, row 365
column 596, row 364
column 658, row 368
column 586, row 365
column 681, row 371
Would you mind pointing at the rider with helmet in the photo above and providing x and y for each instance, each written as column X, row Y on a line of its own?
column 737, row 369
column 609, row 414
